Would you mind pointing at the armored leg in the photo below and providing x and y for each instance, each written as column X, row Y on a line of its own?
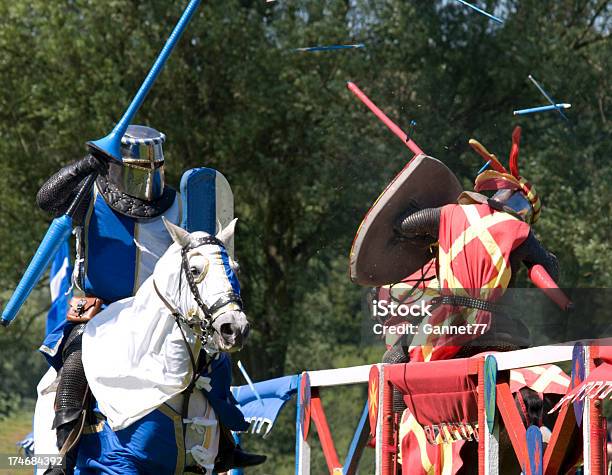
column 398, row 353
column 71, row 392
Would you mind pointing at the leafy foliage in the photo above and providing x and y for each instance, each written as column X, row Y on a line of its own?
column 9, row 403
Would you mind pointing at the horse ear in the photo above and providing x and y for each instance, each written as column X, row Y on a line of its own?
column 178, row 234
column 226, row 234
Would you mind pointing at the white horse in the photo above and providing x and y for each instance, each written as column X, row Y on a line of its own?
column 140, row 356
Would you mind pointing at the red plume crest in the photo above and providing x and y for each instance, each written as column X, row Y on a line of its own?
column 514, row 151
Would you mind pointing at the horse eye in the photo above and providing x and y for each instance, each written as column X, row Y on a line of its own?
column 198, row 266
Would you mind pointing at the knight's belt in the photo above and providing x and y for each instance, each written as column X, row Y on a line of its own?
column 469, row 302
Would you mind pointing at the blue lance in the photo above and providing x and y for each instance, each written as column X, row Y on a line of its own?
column 108, row 147
column 542, row 109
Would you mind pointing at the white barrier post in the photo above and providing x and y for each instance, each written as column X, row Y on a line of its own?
column 302, row 448
column 313, row 381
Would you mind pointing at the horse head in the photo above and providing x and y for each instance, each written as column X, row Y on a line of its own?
column 201, row 275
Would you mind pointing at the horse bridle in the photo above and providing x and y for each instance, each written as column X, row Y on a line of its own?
column 209, row 312
column 225, row 299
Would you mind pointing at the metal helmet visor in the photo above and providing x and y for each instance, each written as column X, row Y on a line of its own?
column 514, row 202
column 141, row 173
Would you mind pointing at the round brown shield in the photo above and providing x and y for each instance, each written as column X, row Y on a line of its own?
column 378, row 257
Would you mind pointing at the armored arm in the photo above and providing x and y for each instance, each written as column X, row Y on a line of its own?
column 421, row 224
column 57, row 192
column 532, row 252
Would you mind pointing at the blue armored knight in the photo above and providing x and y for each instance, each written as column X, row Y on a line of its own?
column 120, row 235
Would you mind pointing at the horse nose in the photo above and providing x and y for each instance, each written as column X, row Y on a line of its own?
column 234, row 333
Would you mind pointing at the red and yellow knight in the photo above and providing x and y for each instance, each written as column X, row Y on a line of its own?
column 479, row 245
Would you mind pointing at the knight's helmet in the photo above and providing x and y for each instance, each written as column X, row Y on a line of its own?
column 141, row 174
column 513, row 194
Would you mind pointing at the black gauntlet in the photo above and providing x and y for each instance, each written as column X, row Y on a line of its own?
column 57, row 192
column 532, row 252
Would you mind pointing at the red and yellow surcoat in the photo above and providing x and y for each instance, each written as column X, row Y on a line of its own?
column 475, row 242
column 474, row 246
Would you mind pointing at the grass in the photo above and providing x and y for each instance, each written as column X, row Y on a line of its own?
column 12, row 430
